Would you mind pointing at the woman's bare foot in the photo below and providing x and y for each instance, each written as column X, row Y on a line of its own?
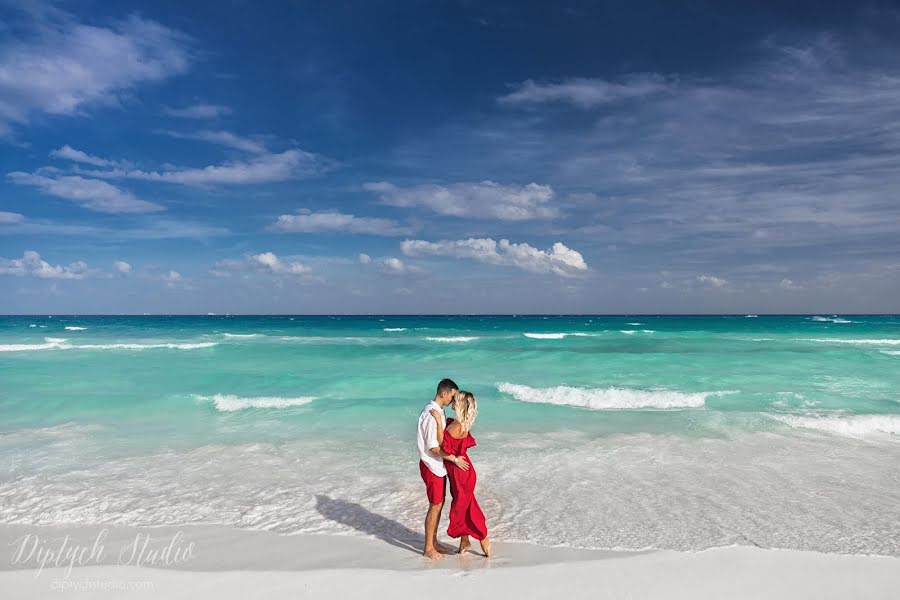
column 432, row 553
column 464, row 544
column 486, row 547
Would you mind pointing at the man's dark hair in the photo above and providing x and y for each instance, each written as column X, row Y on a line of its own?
column 446, row 385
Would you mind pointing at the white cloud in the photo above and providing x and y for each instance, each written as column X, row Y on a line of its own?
column 61, row 66
column 221, row 138
column 32, row 265
column 9, row 218
column 783, row 158
column 67, row 152
column 122, row 267
column 711, row 281
column 174, row 280
column 394, row 266
column 266, row 168
column 790, row 285
column 312, row 222
column 585, row 93
column 364, row 259
column 559, row 259
column 266, row 262
column 198, row 111
column 92, row 194
column 486, row 199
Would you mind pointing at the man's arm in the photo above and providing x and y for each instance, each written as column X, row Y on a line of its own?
column 431, row 442
column 457, row 460
column 439, row 424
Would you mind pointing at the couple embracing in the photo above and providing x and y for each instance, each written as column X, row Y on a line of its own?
column 443, row 445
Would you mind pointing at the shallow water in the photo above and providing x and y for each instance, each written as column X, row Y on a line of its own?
column 604, row 432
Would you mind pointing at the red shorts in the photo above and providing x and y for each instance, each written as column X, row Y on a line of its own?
column 434, row 486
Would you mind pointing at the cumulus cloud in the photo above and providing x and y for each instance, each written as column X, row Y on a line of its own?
column 31, row 264
column 266, row 262
column 559, row 259
column 486, row 199
column 585, row 93
column 60, row 66
column 92, row 194
column 790, row 285
column 198, row 111
column 10, row 218
column 364, row 259
column 314, row 222
column 711, row 281
column 394, row 266
column 122, row 267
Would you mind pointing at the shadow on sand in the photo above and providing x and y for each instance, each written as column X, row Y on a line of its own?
column 365, row 521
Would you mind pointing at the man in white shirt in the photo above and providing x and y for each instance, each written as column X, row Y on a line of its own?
column 431, row 464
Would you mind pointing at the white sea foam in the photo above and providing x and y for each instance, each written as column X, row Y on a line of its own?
column 634, row 324
column 56, row 345
column 54, row 340
column 852, row 425
column 891, row 352
column 886, row 341
column 834, row 319
column 556, row 336
column 32, row 325
column 611, row 398
column 395, row 328
column 26, row 347
column 74, row 328
column 767, row 493
column 751, row 316
column 458, row 338
column 241, row 335
column 232, row 403
column 171, row 345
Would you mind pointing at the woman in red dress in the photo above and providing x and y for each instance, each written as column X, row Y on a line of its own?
column 466, row 518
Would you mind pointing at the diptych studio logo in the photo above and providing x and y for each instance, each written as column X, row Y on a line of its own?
column 33, row 551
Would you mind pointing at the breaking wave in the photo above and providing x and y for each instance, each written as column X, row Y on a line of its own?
column 231, row 403
column 611, row 398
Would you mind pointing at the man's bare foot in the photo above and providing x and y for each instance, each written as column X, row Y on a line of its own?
column 486, row 547
column 443, row 548
column 432, row 553
column 464, row 545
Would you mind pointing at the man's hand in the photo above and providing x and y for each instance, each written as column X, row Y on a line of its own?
column 460, row 462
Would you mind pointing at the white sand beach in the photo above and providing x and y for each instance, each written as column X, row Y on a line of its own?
column 219, row 562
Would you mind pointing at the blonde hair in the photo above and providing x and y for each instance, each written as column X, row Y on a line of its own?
column 466, row 408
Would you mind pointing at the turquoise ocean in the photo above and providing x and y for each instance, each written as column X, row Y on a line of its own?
column 621, row 432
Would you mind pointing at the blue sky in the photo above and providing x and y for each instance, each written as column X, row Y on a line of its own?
column 449, row 157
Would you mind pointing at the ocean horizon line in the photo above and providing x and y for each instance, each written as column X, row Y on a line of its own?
column 419, row 315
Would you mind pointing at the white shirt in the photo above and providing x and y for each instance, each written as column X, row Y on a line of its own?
column 427, row 438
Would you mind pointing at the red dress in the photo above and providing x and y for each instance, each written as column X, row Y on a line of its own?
column 466, row 517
